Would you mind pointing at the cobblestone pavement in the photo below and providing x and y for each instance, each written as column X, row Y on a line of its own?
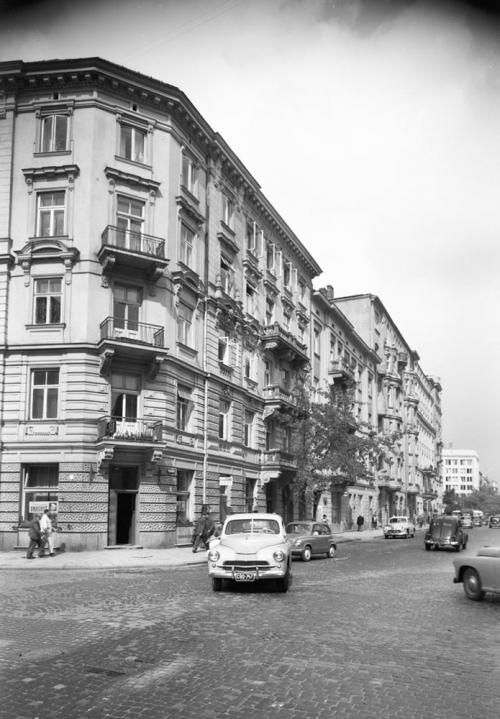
column 379, row 632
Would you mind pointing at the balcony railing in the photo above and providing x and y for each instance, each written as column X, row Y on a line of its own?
column 132, row 241
column 277, row 393
column 278, row 339
column 131, row 429
column 113, row 328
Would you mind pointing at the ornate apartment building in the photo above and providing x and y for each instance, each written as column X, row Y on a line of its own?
column 155, row 314
column 408, row 408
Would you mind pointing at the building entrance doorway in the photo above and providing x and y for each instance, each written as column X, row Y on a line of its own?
column 123, row 483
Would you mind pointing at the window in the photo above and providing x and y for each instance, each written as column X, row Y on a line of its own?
column 184, row 406
column 185, row 492
column 132, row 143
column 269, row 312
column 50, row 213
column 40, row 488
column 130, row 223
column 270, row 256
column 185, row 326
column 223, row 352
column 44, row 393
column 47, row 296
column 248, row 371
column 287, row 275
column 189, row 174
column 186, row 249
column 126, row 307
column 316, row 342
column 54, row 134
column 268, row 373
column 224, row 412
column 227, row 210
column 251, row 300
column 124, row 396
column 226, row 276
column 248, row 429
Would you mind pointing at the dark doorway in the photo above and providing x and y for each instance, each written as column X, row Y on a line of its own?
column 125, row 514
column 123, row 483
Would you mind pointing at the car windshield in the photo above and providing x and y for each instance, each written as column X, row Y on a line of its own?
column 397, row 520
column 252, row 526
column 298, row 528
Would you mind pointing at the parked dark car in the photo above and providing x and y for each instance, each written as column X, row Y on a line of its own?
column 494, row 521
column 309, row 539
column 446, row 533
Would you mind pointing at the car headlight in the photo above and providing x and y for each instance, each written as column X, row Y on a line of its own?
column 297, row 542
column 213, row 555
column 279, row 555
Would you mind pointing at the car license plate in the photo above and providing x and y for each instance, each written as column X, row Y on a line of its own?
column 245, row 576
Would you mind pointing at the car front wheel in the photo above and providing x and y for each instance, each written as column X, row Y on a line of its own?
column 306, row 554
column 216, row 584
column 427, row 547
column 332, row 551
column 283, row 583
column 472, row 585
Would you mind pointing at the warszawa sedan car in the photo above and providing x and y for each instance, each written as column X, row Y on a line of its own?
column 446, row 532
column 399, row 526
column 310, row 538
column 479, row 574
column 252, row 547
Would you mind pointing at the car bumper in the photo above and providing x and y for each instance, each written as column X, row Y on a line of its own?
column 394, row 535
column 247, row 573
column 443, row 544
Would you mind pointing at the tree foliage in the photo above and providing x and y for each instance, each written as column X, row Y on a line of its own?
column 331, row 447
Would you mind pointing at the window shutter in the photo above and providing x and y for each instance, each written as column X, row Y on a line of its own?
column 278, row 262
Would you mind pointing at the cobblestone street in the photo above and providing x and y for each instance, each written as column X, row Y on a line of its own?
column 380, row 631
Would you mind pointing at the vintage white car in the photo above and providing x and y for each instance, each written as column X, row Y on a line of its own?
column 252, row 547
column 479, row 574
column 399, row 526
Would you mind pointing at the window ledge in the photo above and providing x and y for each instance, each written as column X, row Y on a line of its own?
column 134, row 163
column 187, row 349
column 51, row 153
column 46, row 327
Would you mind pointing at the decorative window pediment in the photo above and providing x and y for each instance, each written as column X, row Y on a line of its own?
column 132, row 180
column 47, row 250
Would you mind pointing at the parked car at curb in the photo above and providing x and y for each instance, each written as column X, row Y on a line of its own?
column 252, row 547
column 446, row 532
column 494, row 521
column 479, row 574
column 399, row 526
column 308, row 539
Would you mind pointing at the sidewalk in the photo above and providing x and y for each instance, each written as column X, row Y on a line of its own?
column 136, row 557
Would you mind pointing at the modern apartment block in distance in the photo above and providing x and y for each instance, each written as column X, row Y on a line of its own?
column 155, row 312
column 460, row 471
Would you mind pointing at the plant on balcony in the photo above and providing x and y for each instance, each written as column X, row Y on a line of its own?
column 332, row 448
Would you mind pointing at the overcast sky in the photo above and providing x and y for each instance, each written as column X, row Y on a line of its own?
column 373, row 127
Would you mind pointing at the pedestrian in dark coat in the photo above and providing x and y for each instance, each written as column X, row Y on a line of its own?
column 35, row 535
column 203, row 530
column 360, row 521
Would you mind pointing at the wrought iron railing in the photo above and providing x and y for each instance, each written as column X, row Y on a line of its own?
column 116, row 328
column 133, row 429
column 132, row 241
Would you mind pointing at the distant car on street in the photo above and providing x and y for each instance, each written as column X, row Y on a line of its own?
column 466, row 520
column 479, row 574
column 252, row 547
column 308, row 539
column 446, row 532
column 399, row 526
column 494, row 521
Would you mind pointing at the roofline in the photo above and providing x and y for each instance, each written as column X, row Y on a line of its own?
column 17, row 69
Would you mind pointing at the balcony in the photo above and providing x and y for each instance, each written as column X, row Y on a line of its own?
column 130, row 429
column 131, row 341
column 277, row 398
column 340, row 370
column 133, row 252
column 278, row 460
column 282, row 342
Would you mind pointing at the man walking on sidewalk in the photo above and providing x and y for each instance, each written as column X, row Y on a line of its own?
column 35, row 535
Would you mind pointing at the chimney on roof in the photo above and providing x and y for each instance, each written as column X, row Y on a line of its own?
column 329, row 292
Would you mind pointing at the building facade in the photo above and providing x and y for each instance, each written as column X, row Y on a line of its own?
column 156, row 314
column 460, row 471
column 408, row 407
